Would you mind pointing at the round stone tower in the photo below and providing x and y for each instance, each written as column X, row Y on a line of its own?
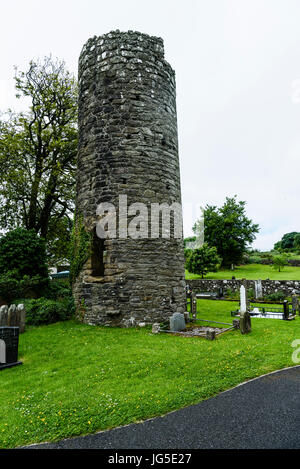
column 128, row 152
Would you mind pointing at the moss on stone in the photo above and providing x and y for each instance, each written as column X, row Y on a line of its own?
column 80, row 247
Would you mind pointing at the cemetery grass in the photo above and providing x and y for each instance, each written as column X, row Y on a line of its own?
column 251, row 272
column 78, row 379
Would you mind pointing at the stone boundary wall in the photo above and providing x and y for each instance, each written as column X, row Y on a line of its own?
column 290, row 262
column 268, row 286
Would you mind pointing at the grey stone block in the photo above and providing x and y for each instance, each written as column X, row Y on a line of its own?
column 3, row 315
column 177, row 322
column 155, row 328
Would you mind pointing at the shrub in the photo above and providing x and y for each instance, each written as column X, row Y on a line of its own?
column 279, row 262
column 33, row 286
column 187, row 254
column 233, row 295
column 277, row 296
column 45, row 311
column 266, row 255
column 245, row 258
column 9, row 288
column 254, row 260
column 203, row 260
column 23, row 252
column 57, row 289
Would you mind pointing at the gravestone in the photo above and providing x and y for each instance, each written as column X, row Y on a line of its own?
column 9, row 343
column 245, row 322
column 243, row 299
column 285, row 310
column 3, row 315
column 236, row 323
column 177, row 322
column 245, row 319
column 186, row 316
column 13, row 316
column 258, row 289
column 22, row 317
column 295, row 304
column 210, row 334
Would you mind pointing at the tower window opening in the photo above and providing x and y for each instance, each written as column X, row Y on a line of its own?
column 97, row 251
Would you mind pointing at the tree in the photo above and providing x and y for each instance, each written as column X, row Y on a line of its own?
column 279, row 262
column 203, row 260
column 278, row 246
column 38, row 153
column 296, row 244
column 287, row 241
column 229, row 230
column 23, row 252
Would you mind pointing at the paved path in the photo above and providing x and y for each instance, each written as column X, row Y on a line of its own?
column 263, row 413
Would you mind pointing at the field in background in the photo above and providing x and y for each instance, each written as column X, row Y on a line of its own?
column 252, row 272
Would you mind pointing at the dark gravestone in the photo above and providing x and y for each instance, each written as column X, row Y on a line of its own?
column 13, row 316
column 245, row 322
column 210, row 334
column 236, row 323
column 295, row 304
column 245, row 318
column 186, row 315
column 285, row 310
column 9, row 343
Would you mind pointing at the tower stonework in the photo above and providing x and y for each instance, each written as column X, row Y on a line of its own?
column 127, row 146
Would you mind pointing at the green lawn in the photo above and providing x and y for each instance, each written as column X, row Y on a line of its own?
column 252, row 272
column 79, row 379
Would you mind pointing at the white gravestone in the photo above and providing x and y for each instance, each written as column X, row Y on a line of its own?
column 243, row 301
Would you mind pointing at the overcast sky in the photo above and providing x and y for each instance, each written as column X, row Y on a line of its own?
column 237, row 65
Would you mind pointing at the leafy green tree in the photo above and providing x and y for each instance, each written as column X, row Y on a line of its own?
column 59, row 240
column 23, row 253
column 287, row 241
column 38, row 153
column 296, row 244
column 278, row 246
column 203, row 260
column 229, row 230
column 279, row 261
